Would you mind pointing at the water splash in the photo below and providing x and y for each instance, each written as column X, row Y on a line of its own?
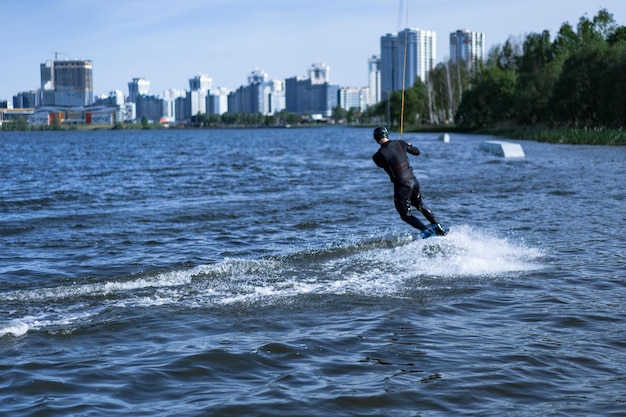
column 469, row 252
column 374, row 268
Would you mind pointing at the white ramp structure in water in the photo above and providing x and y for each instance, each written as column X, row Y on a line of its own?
column 501, row 148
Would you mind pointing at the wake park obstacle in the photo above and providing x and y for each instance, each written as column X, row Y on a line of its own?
column 502, row 148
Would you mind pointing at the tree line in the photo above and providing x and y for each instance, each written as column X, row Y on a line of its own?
column 576, row 80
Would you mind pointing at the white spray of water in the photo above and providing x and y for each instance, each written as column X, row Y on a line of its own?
column 371, row 271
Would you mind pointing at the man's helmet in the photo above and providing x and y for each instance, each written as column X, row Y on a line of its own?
column 380, row 132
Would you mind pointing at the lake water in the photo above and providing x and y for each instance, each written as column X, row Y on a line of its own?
column 266, row 273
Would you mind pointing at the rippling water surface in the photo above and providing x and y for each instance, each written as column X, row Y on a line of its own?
column 265, row 273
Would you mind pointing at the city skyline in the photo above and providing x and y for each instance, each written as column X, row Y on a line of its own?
column 227, row 40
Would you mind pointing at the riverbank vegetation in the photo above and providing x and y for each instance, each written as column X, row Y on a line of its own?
column 570, row 89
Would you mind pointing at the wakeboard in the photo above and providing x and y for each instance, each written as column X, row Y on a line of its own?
column 430, row 232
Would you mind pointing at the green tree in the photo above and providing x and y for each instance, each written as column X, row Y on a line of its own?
column 612, row 110
column 619, row 35
column 339, row 114
column 353, row 115
column 539, row 69
column 577, row 99
column 505, row 57
column 490, row 101
column 598, row 29
column 577, row 80
column 413, row 107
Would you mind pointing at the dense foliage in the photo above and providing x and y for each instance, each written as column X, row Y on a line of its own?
column 575, row 81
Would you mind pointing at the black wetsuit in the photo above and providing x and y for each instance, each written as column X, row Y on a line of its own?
column 392, row 157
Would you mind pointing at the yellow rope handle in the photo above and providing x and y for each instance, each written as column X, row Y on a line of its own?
column 406, row 36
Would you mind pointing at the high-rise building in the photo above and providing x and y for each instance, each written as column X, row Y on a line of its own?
column 138, row 87
column 46, row 92
column 388, row 61
column 373, row 72
column 406, row 57
column 170, row 100
column 200, row 83
column 319, row 73
column 351, row 98
column 311, row 95
column 73, row 83
column 217, row 101
column 150, row 108
column 260, row 96
column 47, row 74
column 467, row 46
column 199, row 86
column 257, row 77
column 26, row 99
column 275, row 96
column 67, row 83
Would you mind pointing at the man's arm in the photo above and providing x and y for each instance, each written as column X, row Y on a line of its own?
column 379, row 160
column 413, row 150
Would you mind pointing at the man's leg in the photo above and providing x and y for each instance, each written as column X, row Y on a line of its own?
column 402, row 200
column 430, row 216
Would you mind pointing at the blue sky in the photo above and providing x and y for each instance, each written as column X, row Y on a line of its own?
column 168, row 42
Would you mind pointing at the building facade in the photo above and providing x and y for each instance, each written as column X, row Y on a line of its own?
column 352, row 98
column 217, row 101
column 373, row 80
column 150, row 108
column 67, row 83
column 319, row 73
column 170, row 101
column 467, row 46
column 73, row 83
column 313, row 94
column 116, row 101
column 405, row 58
column 260, row 96
column 26, row 99
column 46, row 92
column 138, row 87
column 199, row 87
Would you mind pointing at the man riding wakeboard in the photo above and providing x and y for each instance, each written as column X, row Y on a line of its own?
column 392, row 157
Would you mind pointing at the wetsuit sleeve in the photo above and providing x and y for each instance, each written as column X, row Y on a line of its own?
column 413, row 150
column 379, row 160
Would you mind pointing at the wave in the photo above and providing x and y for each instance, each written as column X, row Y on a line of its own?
column 369, row 267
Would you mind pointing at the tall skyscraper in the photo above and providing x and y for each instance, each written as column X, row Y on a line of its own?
column 373, row 78
column 405, row 57
column 217, row 101
column 319, row 73
column 467, row 46
column 46, row 91
column 388, row 62
column 67, row 83
column 200, row 83
column 47, row 74
column 199, row 86
column 170, row 100
column 138, row 87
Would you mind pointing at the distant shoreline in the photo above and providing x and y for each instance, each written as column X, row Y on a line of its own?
column 602, row 137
